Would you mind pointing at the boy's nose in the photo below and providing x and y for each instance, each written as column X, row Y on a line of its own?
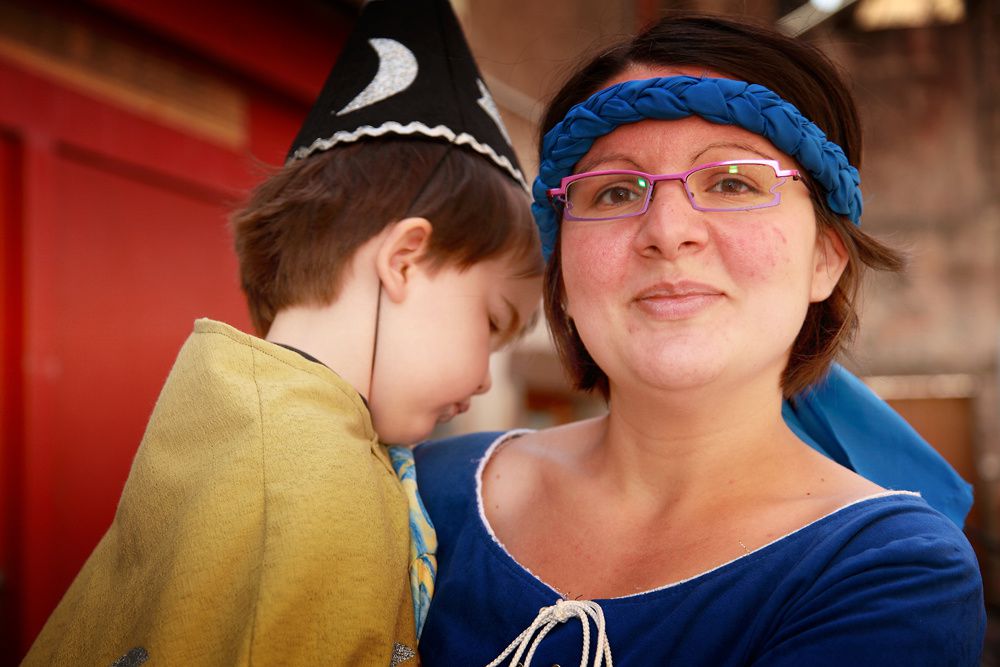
column 486, row 383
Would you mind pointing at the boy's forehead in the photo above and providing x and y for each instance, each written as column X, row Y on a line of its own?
column 516, row 279
column 523, row 263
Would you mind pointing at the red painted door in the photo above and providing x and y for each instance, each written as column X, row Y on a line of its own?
column 116, row 259
column 114, row 239
column 10, row 393
column 120, row 265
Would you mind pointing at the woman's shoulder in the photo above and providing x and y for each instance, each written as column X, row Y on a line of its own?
column 460, row 457
column 447, row 470
column 885, row 580
column 893, row 545
column 886, row 531
column 900, row 518
column 456, row 457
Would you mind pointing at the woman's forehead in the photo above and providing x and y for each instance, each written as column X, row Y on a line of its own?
column 678, row 144
column 639, row 71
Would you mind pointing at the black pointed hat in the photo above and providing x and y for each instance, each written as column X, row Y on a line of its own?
column 407, row 70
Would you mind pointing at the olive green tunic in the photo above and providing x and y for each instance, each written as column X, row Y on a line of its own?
column 261, row 524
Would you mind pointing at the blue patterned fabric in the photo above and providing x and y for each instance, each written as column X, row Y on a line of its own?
column 423, row 539
column 723, row 101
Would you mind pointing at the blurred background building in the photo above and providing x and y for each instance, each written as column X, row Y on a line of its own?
column 128, row 130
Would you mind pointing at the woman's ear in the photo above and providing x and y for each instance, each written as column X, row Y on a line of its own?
column 402, row 247
column 829, row 262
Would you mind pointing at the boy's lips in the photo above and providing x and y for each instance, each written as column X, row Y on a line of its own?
column 677, row 300
column 453, row 411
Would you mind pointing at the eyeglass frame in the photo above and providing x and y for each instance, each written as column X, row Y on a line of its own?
column 557, row 196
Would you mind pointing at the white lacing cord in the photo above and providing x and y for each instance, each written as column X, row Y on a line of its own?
column 550, row 617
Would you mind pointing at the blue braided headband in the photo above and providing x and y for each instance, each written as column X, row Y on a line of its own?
column 723, row 101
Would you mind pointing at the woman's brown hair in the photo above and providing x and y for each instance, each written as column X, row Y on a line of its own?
column 302, row 225
column 802, row 75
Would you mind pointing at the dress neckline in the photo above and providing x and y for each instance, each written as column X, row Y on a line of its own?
column 524, row 571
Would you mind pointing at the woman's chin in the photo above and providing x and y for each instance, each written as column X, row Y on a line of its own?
column 675, row 375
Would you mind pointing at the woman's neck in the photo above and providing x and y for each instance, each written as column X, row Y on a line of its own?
column 661, row 447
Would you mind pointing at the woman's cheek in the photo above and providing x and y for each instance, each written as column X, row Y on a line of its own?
column 754, row 254
column 593, row 256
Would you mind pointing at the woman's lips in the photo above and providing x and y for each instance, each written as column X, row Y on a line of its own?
column 677, row 301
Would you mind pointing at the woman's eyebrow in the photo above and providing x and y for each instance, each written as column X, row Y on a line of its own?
column 731, row 144
column 588, row 164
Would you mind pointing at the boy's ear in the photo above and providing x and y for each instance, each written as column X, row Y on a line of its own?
column 401, row 249
column 829, row 261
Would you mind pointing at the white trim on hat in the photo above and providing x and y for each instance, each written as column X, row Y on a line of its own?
column 415, row 127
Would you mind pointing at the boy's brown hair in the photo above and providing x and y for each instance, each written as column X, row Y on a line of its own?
column 301, row 227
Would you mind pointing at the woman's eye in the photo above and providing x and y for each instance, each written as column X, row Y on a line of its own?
column 617, row 195
column 734, row 186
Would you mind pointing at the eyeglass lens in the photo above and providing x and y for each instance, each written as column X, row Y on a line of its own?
column 725, row 187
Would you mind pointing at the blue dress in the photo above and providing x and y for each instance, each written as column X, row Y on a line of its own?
column 883, row 581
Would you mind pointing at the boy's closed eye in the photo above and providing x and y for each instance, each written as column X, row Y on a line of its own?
column 510, row 329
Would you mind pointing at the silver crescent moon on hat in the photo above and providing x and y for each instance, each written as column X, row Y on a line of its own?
column 397, row 69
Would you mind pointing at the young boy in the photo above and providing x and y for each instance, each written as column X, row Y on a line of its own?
column 263, row 522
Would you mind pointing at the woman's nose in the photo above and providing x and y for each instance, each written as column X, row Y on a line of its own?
column 670, row 225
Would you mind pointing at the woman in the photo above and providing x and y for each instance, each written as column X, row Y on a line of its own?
column 704, row 263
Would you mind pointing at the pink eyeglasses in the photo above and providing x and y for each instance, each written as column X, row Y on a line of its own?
column 731, row 185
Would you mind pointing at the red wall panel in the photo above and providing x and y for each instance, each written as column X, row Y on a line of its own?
column 288, row 45
column 114, row 241
column 122, row 240
column 11, row 455
column 44, row 107
column 130, row 263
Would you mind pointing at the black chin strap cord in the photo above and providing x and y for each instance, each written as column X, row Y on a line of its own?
column 371, row 374
column 378, row 298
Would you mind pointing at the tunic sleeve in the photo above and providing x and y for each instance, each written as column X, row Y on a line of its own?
column 904, row 591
